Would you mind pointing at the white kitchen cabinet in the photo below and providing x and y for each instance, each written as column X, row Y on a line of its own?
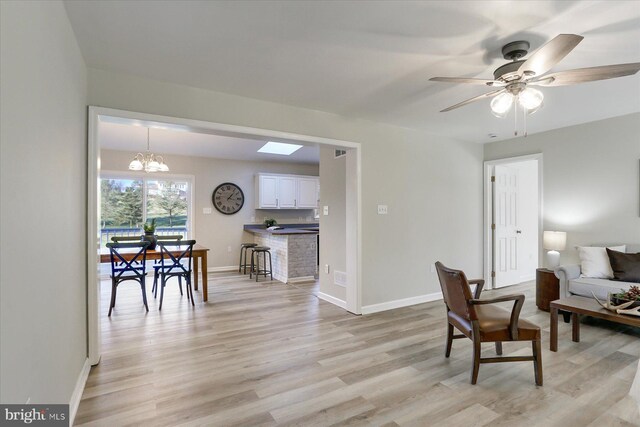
column 307, row 193
column 267, row 192
column 287, row 188
column 277, row 191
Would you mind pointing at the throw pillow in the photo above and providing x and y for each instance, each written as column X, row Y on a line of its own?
column 594, row 261
column 626, row 267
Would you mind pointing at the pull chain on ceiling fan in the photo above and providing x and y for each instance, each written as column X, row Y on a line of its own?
column 516, row 78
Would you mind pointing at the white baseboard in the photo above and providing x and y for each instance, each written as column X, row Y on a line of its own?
column 77, row 391
column 333, row 300
column 301, row 279
column 222, row 269
column 405, row 302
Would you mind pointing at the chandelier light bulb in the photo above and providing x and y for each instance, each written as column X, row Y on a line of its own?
column 135, row 165
column 501, row 104
column 153, row 166
column 530, row 100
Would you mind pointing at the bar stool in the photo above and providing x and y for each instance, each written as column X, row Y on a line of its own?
column 255, row 262
column 243, row 252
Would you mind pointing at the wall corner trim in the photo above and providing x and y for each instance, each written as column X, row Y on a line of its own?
column 333, row 300
column 76, row 396
column 405, row 302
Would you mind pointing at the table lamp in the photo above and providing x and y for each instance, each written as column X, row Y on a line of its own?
column 554, row 241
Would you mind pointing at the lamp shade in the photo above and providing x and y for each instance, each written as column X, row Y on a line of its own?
column 554, row 240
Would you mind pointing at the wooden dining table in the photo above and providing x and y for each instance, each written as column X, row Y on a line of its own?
column 199, row 253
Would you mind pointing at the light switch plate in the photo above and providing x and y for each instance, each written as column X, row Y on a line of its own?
column 325, row 210
column 206, row 211
column 383, row 210
column 326, row 268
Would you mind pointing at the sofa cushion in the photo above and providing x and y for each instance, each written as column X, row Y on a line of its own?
column 583, row 286
column 626, row 267
column 594, row 261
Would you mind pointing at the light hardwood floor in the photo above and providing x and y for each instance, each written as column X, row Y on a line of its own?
column 273, row 354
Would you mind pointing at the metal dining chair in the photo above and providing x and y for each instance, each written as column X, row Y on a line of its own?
column 130, row 266
column 178, row 265
column 166, row 237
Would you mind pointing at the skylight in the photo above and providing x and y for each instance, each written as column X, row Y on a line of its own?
column 279, row 148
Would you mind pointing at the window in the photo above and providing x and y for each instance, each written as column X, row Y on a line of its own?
column 127, row 202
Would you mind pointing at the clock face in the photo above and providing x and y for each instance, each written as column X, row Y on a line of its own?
column 228, row 198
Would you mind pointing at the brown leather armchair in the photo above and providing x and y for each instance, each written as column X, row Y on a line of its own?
column 480, row 321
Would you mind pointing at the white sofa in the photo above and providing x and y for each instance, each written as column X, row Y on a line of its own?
column 572, row 284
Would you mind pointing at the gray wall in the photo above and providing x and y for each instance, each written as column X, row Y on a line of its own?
column 590, row 179
column 217, row 231
column 43, row 204
column 333, row 227
column 432, row 184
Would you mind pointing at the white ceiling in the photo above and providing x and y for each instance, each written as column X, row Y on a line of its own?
column 124, row 135
column 369, row 60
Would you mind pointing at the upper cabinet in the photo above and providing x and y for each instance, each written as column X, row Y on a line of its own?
column 308, row 192
column 267, row 192
column 287, row 191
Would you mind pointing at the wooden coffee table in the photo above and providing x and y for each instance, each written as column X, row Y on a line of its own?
column 586, row 306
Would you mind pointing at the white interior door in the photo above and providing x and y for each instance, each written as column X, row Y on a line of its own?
column 506, row 231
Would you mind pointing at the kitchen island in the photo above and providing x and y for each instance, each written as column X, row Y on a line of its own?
column 294, row 250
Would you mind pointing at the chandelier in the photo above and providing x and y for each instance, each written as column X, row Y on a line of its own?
column 148, row 161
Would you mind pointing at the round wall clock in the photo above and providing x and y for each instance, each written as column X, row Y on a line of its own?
column 228, row 198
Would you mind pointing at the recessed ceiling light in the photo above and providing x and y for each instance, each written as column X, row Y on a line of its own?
column 279, row 148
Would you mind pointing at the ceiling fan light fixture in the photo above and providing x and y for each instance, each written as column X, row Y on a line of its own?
column 530, row 100
column 501, row 104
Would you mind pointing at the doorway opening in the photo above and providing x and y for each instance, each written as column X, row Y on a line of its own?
column 512, row 220
column 100, row 174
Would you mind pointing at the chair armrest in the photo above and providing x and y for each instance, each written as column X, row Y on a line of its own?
column 479, row 285
column 564, row 273
column 518, row 302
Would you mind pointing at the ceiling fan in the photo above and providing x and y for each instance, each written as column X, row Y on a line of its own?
column 516, row 78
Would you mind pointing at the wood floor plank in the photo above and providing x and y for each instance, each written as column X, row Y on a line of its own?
column 269, row 354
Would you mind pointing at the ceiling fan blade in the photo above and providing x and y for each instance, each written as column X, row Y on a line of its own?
column 474, row 99
column 549, row 55
column 467, row 80
column 583, row 75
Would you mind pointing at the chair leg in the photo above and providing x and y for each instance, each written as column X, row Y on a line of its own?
column 180, row 284
column 155, row 284
column 144, row 293
column 270, row 267
column 114, row 287
column 476, row 359
column 257, row 266
column 537, row 362
column 240, row 263
column 162, row 283
column 498, row 348
column 447, row 352
column 189, row 290
column 251, row 266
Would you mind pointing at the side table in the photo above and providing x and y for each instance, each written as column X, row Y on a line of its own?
column 547, row 288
